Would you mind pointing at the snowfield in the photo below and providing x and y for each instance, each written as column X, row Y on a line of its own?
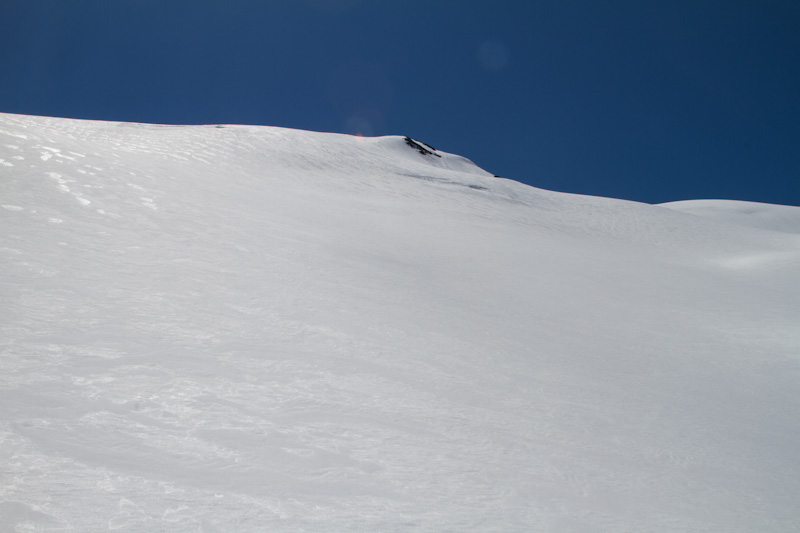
column 241, row 328
column 753, row 214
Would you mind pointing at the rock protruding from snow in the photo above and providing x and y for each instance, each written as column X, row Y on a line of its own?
column 421, row 147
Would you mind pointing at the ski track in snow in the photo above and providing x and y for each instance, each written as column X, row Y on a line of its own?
column 239, row 328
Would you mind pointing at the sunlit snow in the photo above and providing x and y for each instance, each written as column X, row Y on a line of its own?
column 240, row 328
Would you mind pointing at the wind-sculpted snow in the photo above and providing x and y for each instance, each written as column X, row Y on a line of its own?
column 238, row 328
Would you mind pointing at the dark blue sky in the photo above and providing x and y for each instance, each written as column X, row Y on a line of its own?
column 643, row 100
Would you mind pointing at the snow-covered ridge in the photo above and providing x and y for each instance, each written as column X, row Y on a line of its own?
column 214, row 328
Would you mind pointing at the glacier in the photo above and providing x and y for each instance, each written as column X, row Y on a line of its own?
column 250, row 328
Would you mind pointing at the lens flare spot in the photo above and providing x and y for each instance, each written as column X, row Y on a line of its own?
column 493, row 55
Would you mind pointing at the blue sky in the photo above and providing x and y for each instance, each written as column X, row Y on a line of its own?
column 643, row 100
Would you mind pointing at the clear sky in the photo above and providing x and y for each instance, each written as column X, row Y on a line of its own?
column 645, row 100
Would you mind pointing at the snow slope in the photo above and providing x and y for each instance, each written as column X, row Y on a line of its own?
column 753, row 214
column 238, row 328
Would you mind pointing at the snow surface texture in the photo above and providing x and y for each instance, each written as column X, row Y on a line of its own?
column 238, row 328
